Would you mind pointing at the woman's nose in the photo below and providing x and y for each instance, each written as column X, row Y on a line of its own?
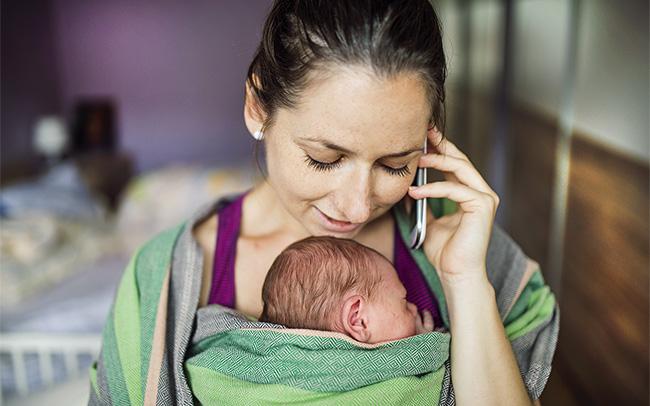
column 357, row 211
column 355, row 199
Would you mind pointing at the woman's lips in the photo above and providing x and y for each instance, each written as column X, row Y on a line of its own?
column 336, row 225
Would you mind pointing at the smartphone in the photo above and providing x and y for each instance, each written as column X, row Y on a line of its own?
column 419, row 211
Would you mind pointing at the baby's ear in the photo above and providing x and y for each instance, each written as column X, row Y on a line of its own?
column 354, row 318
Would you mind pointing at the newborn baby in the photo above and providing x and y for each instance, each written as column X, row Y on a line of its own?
column 327, row 283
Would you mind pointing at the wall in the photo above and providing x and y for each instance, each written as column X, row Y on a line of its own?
column 29, row 73
column 175, row 71
column 611, row 95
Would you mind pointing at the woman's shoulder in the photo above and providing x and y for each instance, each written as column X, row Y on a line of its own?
column 506, row 261
column 510, row 270
column 525, row 302
column 204, row 231
column 204, row 223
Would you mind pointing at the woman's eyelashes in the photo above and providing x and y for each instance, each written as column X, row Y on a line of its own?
column 322, row 166
column 403, row 171
column 329, row 166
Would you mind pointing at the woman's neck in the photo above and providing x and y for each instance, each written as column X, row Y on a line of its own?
column 266, row 221
column 264, row 215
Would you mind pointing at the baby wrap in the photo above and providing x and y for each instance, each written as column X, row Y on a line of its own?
column 236, row 361
column 158, row 349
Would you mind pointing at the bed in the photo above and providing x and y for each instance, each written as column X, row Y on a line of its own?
column 62, row 255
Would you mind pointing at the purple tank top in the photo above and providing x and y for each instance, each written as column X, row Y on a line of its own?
column 222, row 290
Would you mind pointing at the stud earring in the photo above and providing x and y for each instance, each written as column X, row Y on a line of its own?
column 258, row 135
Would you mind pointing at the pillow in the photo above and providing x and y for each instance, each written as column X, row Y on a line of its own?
column 163, row 198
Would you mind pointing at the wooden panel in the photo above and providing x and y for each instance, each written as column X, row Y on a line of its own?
column 602, row 355
column 531, row 182
column 604, row 331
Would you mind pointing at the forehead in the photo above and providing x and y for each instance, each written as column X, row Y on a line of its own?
column 388, row 272
column 356, row 109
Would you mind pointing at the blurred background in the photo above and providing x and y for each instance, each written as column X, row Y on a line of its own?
column 119, row 118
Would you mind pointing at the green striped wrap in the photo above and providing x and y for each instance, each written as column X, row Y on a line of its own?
column 159, row 347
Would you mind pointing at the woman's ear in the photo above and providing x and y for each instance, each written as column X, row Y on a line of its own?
column 354, row 318
column 253, row 115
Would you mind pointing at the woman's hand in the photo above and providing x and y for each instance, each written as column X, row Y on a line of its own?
column 423, row 322
column 483, row 367
column 457, row 244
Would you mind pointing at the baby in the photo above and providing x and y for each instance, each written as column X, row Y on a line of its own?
column 327, row 283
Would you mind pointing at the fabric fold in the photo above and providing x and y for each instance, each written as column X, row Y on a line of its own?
column 157, row 341
column 312, row 360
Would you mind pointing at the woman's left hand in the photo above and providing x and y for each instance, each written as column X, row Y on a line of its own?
column 456, row 244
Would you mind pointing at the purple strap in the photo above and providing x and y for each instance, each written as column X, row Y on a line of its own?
column 417, row 289
column 222, row 290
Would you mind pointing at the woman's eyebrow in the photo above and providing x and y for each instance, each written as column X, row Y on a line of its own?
column 330, row 145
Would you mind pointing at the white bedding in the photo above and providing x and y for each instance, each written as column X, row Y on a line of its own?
column 59, row 271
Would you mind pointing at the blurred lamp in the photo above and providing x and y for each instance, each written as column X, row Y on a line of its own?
column 50, row 137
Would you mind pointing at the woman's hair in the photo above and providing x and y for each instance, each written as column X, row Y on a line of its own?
column 303, row 40
column 308, row 282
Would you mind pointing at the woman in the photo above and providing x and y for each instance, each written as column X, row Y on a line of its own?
column 342, row 94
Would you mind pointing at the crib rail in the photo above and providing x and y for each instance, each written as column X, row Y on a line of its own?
column 45, row 346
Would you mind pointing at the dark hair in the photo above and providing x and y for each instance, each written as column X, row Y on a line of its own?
column 308, row 281
column 302, row 38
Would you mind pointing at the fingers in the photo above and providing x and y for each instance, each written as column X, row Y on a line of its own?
column 424, row 323
column 455, row 164
column 427, row 320
column 468, row 198
column 443, row 145
column 464, row 171
column 419, row 325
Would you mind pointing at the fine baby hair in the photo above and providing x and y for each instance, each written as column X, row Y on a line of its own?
column 309, row 279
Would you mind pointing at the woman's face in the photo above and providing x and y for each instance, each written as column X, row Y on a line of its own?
column 349, row 151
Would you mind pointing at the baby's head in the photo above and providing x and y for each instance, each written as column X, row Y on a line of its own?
column 327, row 283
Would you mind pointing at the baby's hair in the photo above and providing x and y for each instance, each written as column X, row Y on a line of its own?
column 308, row 281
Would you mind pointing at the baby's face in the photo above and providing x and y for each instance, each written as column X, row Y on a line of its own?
column 391, row 316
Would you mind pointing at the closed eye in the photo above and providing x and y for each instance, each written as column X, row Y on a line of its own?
column 329, row 166
column 403, row 171
column 322, row 166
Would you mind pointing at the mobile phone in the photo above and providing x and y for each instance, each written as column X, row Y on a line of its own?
column 419, row 213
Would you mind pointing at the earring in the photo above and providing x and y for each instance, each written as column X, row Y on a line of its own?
column 258, row 135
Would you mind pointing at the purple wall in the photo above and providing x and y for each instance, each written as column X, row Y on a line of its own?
column 175, row 70
column 30, row 86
